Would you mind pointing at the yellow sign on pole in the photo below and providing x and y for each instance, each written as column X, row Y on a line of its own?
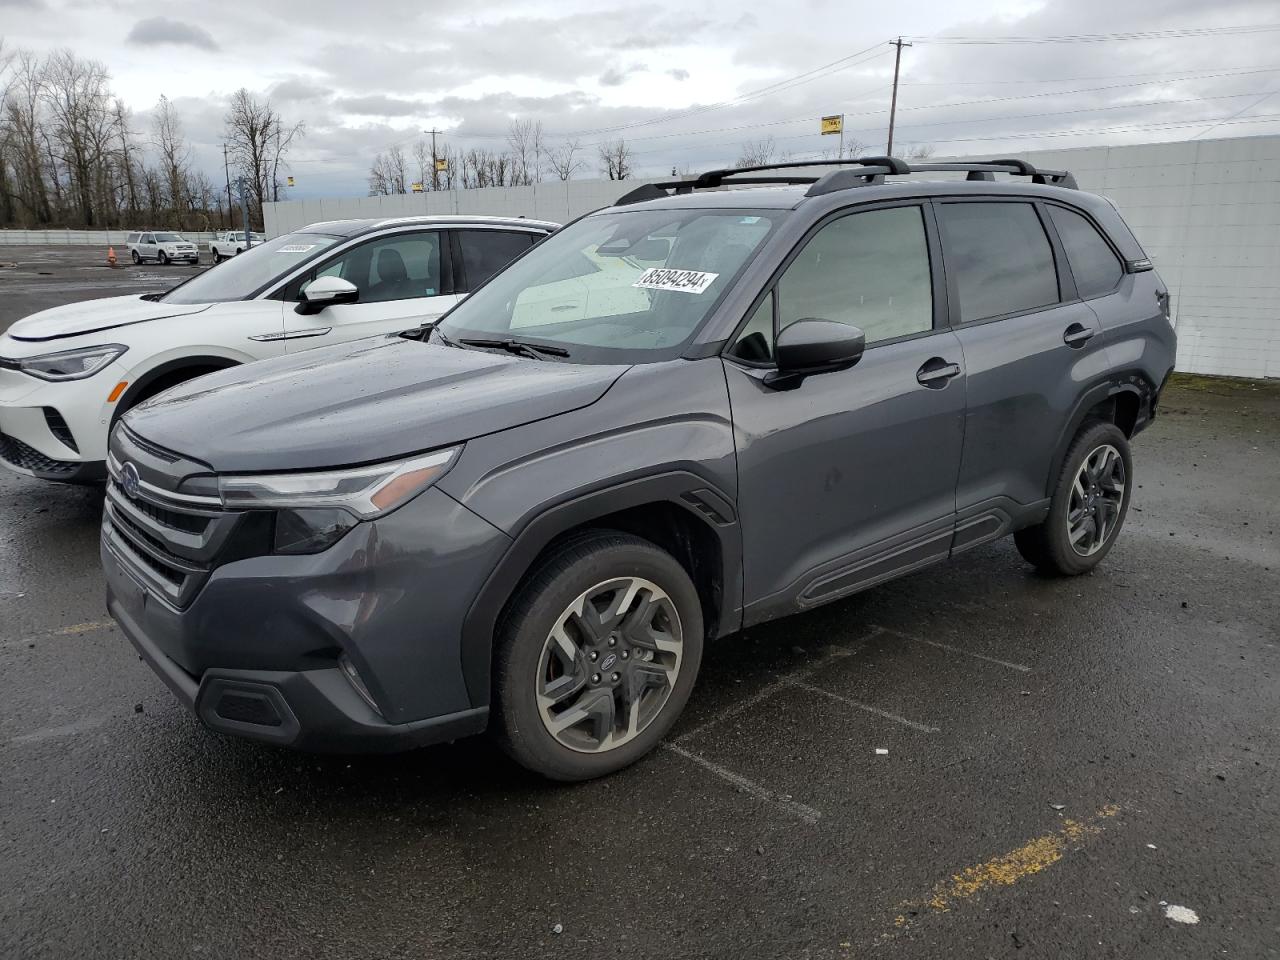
column 442, row 164
column 415, row 187
column 290, row 181
column 833, row 124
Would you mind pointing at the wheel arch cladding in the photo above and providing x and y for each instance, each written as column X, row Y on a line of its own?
column 1120, row 403
column 168, row 374
column 678, row 512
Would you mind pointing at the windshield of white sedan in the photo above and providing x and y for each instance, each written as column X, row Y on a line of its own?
column 615, row 283
column 248, row 272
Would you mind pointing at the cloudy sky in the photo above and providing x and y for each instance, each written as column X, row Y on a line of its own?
column 685, row 84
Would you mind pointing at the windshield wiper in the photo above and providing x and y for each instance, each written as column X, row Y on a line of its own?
column 524, row 348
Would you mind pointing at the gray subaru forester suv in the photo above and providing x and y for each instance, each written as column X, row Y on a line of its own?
column 696, row 410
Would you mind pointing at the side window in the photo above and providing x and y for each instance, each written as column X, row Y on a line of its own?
column 1094, row 265
column 868, row 269
column 401, row 266
column 1000, row 256
column 485, row 252
column 147, row 238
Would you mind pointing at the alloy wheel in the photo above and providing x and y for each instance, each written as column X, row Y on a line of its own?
column 1097, row 494
column 609, row 664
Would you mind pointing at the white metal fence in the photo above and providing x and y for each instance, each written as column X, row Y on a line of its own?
column 84, row 238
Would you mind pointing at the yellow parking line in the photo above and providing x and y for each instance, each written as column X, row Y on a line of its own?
column 73, row 630
column 1008, row 868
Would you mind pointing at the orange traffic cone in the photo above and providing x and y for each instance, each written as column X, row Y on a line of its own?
column 111, row 256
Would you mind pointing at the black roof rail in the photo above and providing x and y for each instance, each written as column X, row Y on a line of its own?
column 986, row 169
column 854, row 172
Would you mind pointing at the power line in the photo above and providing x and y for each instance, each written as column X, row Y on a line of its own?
column 1245, row 109
column 1190, row 32
column 1218, row 72
column 1006, row 117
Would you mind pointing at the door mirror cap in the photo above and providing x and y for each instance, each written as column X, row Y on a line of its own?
column 325, row 291
column 810, row 346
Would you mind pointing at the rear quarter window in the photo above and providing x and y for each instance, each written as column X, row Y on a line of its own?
column 1094, row 265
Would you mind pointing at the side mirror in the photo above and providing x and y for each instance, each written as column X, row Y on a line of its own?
column 325, row 291
column 812, row 346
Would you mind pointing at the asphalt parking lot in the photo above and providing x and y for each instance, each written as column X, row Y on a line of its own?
column 1068, row 761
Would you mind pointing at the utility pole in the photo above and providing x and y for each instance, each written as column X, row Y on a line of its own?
column 893, row 103
column 244, row 210
column 435, row 172
column 227, row 170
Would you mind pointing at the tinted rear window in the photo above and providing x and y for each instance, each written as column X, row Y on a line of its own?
column 1094, row 265
column 485, row 252
column 1000, row 256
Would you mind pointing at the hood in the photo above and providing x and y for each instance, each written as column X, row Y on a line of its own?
column 92, row 316
column 340, row 406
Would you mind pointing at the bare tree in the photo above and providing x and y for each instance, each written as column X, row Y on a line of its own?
column 564, row 161
column 389, row 173
column 174, row 155
column 756, row 153
column 524, row 137
column 921, row 151
column 615, row 159
column 78, row 101
column 258, row 140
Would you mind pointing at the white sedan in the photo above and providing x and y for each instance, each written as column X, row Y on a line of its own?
column 68, row 373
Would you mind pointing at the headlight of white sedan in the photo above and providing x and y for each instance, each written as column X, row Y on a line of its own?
column 72, row 364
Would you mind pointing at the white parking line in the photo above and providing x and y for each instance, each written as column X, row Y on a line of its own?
column 65, row 730
column 806, row 813
column 913, row 724
column 769, row 690
column 1021, row 668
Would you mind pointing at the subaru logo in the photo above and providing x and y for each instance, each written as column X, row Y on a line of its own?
column 130, row 481
column 609, row 661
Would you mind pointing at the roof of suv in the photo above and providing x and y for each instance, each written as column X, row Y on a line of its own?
column 789, row 197
column 352, row 228
column 830, row 184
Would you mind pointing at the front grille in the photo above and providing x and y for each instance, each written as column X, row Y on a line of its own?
column 175, row 541
column 187, row 522
column 58, row 427
column 16, row 453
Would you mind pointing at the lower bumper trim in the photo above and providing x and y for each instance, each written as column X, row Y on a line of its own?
column 312, row 710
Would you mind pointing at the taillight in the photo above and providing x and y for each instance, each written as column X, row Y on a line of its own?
column 1166, row 304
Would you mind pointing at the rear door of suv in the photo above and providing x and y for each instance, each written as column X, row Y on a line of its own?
column 847, row 478
column 1031, row 349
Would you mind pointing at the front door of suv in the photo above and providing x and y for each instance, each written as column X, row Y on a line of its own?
column 1030, row 349
column 405, row 278
column 849, row 477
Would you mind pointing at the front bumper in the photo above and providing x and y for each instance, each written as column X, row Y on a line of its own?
column 56, row 431
column 257, row 652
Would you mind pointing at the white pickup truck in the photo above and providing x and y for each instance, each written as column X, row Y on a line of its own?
column 231, row 242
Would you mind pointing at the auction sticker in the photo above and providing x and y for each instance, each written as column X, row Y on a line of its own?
column 665, row 278
column 296, row 248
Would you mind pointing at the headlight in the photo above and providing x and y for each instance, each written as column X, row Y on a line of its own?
column 364, row 492
column 72, row 364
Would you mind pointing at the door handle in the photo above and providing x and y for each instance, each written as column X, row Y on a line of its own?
column 1077, row 335
column 936, row 372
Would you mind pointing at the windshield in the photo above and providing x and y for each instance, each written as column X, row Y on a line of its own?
column 167, row 238
column 246, row 274
column 617, row 287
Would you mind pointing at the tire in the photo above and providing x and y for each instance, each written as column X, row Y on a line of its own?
column 1083, row 520
column 164, row 258
column 136, row 258
column 608, row 676
column 217, row 257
